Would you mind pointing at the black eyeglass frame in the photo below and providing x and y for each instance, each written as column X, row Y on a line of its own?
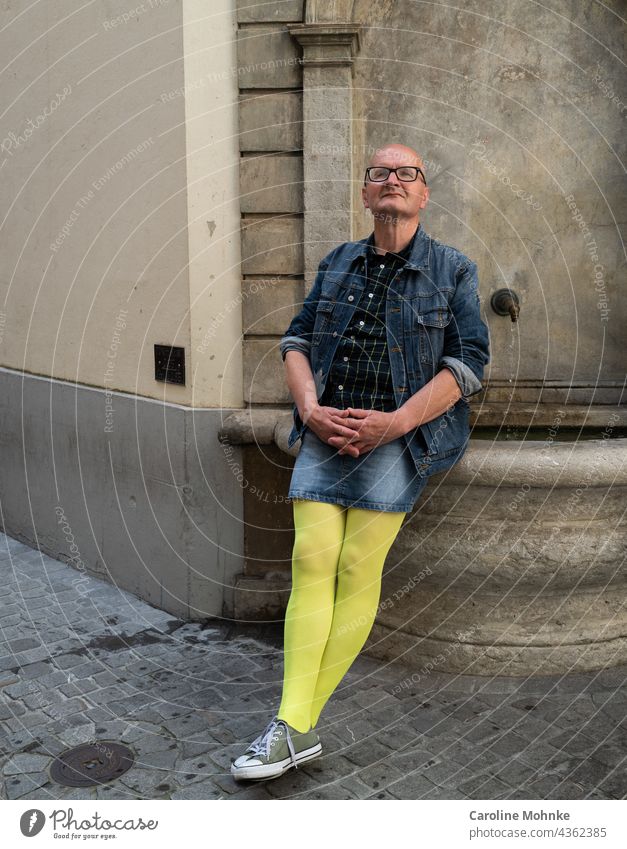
column 395, row 170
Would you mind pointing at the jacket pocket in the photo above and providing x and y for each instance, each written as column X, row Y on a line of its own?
column 324, row 314
column 429, row 328
column 438, row 316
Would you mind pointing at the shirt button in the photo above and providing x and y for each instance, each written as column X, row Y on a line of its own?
column 353, row 338
column 340, row 386
column 351, row 298
column 345, row 359
column 335, row 332
column 361, row 323
column 370, row 294
column 382, row 266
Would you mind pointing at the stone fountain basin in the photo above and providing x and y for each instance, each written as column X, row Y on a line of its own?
column 511, row 563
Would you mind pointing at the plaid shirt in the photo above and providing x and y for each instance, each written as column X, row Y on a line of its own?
column 360, row 374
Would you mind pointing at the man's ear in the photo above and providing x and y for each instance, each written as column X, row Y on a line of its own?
column 364, row 197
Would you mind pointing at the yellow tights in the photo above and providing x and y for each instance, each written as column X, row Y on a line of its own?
column 327, row 624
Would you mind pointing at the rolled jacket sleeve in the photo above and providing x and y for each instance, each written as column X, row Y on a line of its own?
column 465, row 376
column 294, row 343
column 466, row 342
column 298, row 335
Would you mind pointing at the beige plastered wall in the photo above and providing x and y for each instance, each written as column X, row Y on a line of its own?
column 120, row 197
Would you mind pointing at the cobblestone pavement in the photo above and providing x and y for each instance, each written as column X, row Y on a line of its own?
column 83, row 661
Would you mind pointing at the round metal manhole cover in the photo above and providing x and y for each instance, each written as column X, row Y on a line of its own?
column 91, row 764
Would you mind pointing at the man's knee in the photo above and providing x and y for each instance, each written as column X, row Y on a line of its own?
column 358, row 563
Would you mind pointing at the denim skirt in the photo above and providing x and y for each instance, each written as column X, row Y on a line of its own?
column 384, row 478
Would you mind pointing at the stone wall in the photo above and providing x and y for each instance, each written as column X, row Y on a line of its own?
column 489, row 113
column 271, row 202
column 271, row 185
column 522, row 138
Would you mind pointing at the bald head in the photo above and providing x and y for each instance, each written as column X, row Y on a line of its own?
column 394, row 155
column 389, row 198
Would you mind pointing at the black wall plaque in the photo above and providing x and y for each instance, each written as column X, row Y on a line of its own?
column 170, row 364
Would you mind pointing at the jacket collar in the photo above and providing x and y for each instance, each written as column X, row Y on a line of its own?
column 420, row 253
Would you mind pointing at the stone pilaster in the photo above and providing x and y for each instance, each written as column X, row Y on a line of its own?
column 328, row 53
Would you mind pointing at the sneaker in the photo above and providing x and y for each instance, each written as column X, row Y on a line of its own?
column 279, row 748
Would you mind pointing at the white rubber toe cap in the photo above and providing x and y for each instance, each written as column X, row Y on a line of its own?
column 246, row 760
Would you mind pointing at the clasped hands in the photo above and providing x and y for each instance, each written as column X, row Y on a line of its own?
column 354, row 431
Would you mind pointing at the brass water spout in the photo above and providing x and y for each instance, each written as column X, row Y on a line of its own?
column 506, row 302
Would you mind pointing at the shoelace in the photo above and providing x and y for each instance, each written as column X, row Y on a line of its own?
column 261, row 746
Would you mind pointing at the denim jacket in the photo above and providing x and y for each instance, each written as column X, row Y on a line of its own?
column 433, row 321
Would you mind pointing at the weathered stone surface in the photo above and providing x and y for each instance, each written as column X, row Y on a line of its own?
column 264, row 380
column 201, row 790
column 503, row 413
column 539, row 237
column 328, row 150
column 271, row 184
column 259, row 599
column 26, row 763
column 24, row 784
column 287, row 10
column 320, row 12
column 269, row 537
column 271, row 121
column 253, row 426
column 267, row 57
column 272, row 245
column 570, row 399
column 269, row 304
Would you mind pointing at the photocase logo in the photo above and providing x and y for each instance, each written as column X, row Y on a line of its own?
column 32, row 822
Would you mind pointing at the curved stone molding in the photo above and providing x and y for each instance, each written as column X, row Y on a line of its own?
column 257, row 427
column 542, row 463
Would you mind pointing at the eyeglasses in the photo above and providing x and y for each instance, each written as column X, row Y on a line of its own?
column 406, row 174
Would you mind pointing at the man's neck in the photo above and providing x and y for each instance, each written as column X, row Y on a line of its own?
column 393, row 237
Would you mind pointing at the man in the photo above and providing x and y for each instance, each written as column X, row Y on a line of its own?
column 379, row 361
column 449, row 281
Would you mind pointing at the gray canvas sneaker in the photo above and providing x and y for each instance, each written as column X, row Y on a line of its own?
column 277, row 749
